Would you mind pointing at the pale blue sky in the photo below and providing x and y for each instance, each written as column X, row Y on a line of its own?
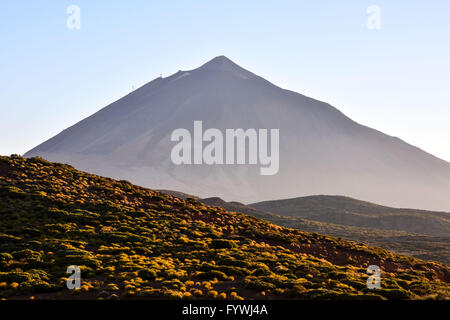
column 395, row 79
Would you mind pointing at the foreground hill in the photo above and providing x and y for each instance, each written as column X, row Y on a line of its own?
column 321, row 150
column 132, row 242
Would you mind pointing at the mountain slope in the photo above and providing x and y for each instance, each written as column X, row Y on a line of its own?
column 321, row 150
column 134, row 242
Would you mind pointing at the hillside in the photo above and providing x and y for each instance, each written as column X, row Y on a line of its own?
column 321, row 150
column 419, row 233
column 427, row 247
column 132, row 242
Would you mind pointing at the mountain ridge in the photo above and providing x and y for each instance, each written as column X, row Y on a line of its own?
column 322, row 151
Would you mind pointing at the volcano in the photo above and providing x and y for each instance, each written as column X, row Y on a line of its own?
column 321, row 151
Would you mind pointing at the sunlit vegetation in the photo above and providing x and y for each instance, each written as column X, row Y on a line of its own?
column 132, row 243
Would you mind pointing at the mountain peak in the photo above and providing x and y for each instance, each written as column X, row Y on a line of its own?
column 221, row 63
column 129, row 140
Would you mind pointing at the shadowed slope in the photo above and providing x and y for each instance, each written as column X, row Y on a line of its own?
column 352, row 212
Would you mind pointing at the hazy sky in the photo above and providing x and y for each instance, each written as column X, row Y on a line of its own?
column 395, row 79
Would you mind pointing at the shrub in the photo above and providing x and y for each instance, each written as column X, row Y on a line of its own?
column 209, row 275
column 229, row 261
column 4, row 257
column 296, row 291
column 197, row 292
column 147, row 274
column 222, row 295
column 173, row 294
column 14, row 276
column 395, row 294
column 213, row 294
column 257, row 284
column 223, row 244
column 261, row 270
column 27, row 254
column 233, row 270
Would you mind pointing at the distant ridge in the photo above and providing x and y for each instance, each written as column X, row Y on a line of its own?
column 353, row 212
column 429, row 239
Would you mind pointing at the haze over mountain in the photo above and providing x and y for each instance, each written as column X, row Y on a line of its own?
column 322, row 151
